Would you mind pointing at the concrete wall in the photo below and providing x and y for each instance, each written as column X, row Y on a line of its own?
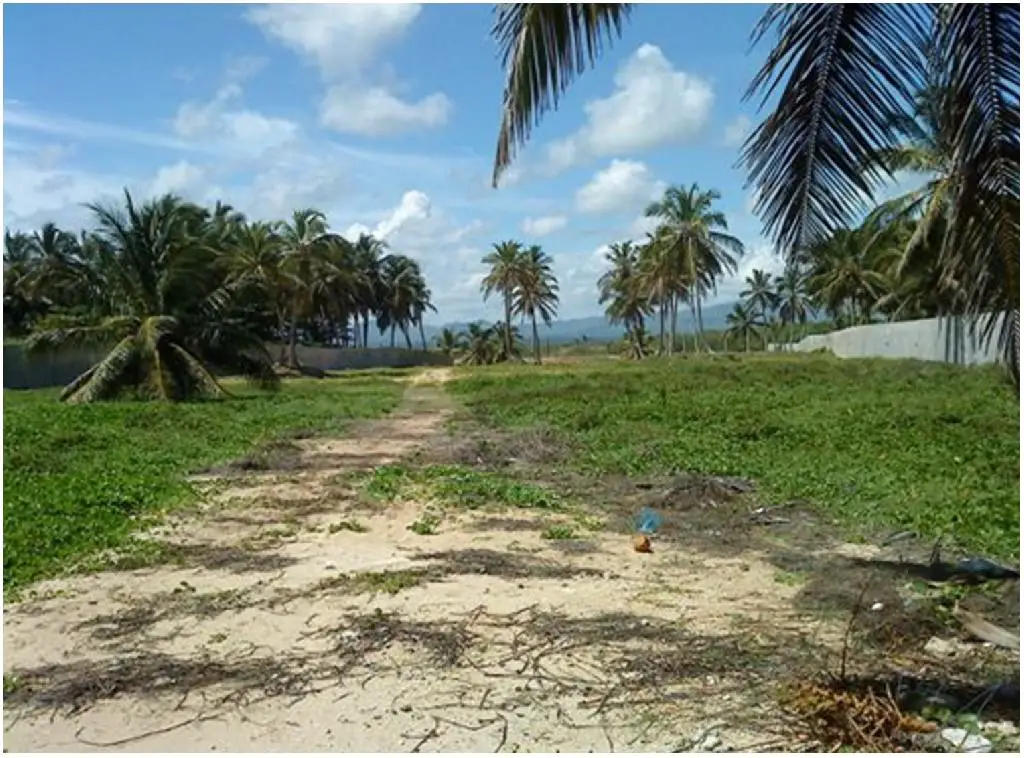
column 924, row 339
column 22, row 371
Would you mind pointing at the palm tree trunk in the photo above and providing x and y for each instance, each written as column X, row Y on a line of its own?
column 282, row 331
column 700, row 319
column 675, row 318
column 536, row 337
column 405, row 333
column 392, row 335
column 508, row 326
column 293, row 343
column 661, row 327
column 696, row 329
column 366, row 328
column 423, row 334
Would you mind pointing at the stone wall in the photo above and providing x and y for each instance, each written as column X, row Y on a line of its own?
column 22, row 371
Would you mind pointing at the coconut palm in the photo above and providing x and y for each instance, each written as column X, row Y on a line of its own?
column 697, row 238
column 536, row 292
column 369, row 255
column 846, row 275
column 792, row 299
column 758, row 293
column 451, row 342
column 505, row 263
column 303, row 247
column 743, row 323
column 169, row 328
column 482, row 345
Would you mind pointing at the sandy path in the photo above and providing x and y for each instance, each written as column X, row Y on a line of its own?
column 271, row 638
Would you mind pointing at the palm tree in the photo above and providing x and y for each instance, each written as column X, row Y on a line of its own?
column 451, row 342
column 840, row 72
column 403, row 291
column 255, row 258
column 369, row 255
column 758, row 293
column 743, row 323
column 302, row 243
column 793, row 303
column 697, row 238
column 536, row 292
column 664, row 284
column 168, row 327
column 482, row 345
column 505, row 262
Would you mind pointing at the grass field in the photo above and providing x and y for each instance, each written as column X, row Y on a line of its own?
column 77, row 479
column 878, row 445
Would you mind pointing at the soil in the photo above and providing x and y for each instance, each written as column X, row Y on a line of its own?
column 290, row 616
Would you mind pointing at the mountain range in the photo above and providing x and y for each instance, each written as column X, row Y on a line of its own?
column 588, row 329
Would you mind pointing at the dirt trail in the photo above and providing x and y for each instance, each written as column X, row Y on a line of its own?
column 277, row 629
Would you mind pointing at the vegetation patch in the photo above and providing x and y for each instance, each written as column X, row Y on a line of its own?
column 459, row 486
column 80, row 479
column 872, row 444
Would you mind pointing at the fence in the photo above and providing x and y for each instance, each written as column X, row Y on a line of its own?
column 931, row 339
column 23, row 371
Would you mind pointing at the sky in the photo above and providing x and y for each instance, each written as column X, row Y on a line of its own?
column 385, row 118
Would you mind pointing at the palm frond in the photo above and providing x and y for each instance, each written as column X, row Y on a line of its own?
column 816, row 160
column 108, row 378
column 544, row 47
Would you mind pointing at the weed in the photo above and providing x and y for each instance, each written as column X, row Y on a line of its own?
column 559, row 532
column 425, row 525
column 81, row 479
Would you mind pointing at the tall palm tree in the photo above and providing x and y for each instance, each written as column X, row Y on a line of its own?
column 369, row 253
column 664, row 283
column 505, row 262
column 303, row 245
column 791, row 296
column 254, row 260
column 402, row 289
column 759, row 296
column 621, row 288
column 743, row 323
column 696, row 236
column 168, row 328
column 536, row 292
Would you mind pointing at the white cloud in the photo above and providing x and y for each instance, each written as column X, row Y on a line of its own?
column 374, row 112
column 339, row 39
column 653, row 104
column 36, row 192
column 223, row 119
column 344, row 41
column 543, row 226
column 624, row 186
column 178, row 178
column 736, row 131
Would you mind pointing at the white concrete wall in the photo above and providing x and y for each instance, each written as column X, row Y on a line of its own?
column 924, row 339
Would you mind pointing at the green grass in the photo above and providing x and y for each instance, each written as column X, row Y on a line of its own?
column 875, row 444
column 80, row 479
column 460, row 486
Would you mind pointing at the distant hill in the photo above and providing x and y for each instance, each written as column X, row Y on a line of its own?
column 590, row 329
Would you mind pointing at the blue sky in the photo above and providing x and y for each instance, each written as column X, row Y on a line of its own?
column 382, row 116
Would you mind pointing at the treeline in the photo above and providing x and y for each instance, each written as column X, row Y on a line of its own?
column 175, row 289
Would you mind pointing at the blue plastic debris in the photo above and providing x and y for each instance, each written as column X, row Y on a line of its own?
column 648, row 521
